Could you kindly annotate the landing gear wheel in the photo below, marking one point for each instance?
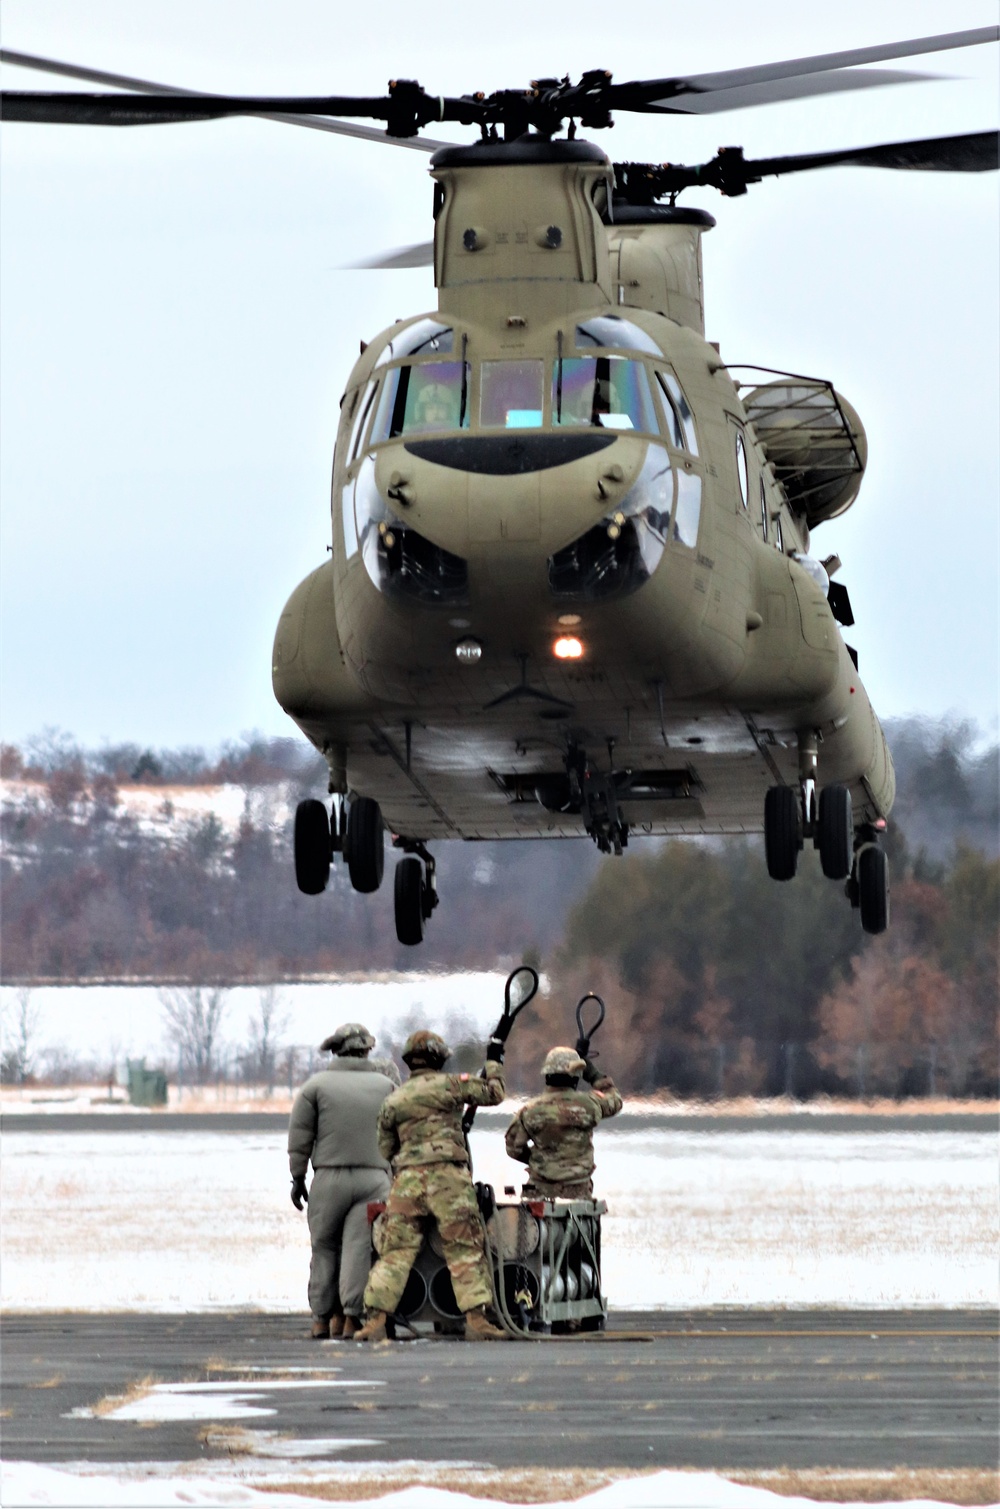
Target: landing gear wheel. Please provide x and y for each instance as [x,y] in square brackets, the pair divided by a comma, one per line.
[873,888]
[781,832]
[409,899]
[835,832]
[312,847]
[364,844]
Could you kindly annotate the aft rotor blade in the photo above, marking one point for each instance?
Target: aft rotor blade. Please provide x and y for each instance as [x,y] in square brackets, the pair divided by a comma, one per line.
[421,254]
[126,81]
[795,78]
[975,152]
[731,173]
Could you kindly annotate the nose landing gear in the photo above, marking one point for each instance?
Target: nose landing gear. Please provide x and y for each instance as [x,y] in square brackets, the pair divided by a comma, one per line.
[355,830]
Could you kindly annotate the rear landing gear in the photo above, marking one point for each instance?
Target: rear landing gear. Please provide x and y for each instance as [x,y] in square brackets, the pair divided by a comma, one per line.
[415,891]
[792,815]
[868,886]
[782,841]
[834,836]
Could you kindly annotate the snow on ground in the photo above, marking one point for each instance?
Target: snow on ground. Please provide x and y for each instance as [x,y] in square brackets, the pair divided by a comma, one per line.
[157,1220]
[166,810]
[160,1485]
[115,1022]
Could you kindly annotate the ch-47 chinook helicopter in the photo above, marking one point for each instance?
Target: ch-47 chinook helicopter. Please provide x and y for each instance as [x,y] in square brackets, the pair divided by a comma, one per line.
[572,589]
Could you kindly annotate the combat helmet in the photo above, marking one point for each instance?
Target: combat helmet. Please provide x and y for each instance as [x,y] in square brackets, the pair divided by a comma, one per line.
[563,1061]
[352,1037]
[425,1045]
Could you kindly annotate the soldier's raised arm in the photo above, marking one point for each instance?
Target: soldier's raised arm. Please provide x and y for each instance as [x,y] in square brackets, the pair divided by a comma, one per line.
[490,1090]
[516,1139]
[603,1089]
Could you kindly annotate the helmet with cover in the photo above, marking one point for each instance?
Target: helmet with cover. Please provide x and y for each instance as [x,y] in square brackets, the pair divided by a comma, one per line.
[352,1039]
[563,1061]
[425,1049]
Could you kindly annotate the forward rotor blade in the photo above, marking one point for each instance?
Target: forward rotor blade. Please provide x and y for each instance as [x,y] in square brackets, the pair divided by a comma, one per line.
[823,74]
[421,254]
[124,81]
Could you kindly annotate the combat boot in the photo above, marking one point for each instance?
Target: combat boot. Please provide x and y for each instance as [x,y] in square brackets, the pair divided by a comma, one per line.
[351,1327]
[374,1328]
[336,1326]
[320,1328]
[478,1328]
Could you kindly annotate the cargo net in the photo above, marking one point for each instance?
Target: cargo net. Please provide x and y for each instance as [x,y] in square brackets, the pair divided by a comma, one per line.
[812,438]
[546,1262]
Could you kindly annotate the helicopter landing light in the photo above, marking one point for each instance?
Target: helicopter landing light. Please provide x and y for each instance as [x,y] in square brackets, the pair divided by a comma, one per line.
[567,647]
[568,620]
[468,651]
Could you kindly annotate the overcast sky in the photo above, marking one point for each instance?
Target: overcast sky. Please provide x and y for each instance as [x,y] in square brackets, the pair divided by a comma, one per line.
[177,328]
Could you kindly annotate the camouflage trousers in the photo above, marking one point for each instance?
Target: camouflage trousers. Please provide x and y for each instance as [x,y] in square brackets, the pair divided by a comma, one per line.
[548,1189]
[444,1192]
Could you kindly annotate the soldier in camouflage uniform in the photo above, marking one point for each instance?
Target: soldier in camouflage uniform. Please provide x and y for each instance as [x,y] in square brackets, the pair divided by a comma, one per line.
[554,1133]
[420,1133]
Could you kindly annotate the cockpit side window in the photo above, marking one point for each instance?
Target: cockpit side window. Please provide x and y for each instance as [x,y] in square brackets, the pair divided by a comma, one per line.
[510,395]
[607,391]
[680,420]
[424,338]
[611,330]
[360,420]
[422,400]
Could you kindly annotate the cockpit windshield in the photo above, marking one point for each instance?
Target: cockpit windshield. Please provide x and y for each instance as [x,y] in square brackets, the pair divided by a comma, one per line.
[422,400]
[606,391]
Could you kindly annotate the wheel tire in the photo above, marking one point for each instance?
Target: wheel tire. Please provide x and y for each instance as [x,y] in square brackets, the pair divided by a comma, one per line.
[312,847]
[873,888]
[835,832]
[364,844]
[781,832]
[409,900]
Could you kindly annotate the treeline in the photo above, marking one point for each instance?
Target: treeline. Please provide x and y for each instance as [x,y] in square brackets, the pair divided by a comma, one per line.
[92,889]
[719,980]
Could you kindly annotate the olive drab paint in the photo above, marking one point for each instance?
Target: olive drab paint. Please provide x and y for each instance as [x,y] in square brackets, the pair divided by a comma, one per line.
[709,654]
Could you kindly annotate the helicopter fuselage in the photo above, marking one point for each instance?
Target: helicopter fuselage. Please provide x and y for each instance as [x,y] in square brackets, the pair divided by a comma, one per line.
[558,536]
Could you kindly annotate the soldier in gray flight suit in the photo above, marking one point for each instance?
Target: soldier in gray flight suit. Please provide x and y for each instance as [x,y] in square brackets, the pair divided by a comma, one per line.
[333,1123]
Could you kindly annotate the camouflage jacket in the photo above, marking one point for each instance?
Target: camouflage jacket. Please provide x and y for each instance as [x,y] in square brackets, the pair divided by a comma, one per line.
[422,1122]
[554,1133]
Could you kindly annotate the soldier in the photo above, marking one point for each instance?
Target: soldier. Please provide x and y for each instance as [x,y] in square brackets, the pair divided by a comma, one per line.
[554,1133]
[333,1123]
[420,1131]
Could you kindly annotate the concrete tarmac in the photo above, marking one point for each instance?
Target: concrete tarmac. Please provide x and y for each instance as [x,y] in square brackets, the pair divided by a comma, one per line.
[710,1389]
[493,1120]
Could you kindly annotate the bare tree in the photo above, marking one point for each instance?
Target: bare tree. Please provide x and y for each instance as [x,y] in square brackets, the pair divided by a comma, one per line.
[20,1022]
[193,1015]
[260,1057]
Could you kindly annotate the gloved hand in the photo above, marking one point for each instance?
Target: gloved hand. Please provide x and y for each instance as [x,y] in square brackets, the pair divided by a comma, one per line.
[501,1031]
[494,1050]
[299,1191]
[591,1072]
